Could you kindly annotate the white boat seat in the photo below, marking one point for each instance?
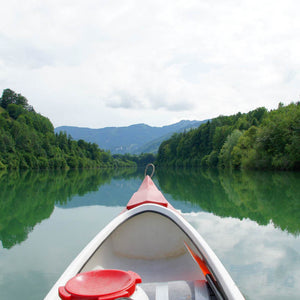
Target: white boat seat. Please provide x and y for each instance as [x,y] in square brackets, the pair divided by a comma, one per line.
[176,290]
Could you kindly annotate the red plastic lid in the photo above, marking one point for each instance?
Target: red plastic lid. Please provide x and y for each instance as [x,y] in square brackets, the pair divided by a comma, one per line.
[100,285]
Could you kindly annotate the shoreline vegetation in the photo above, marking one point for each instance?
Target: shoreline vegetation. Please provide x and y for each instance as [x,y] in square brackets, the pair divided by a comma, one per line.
[258,140]
[28,141]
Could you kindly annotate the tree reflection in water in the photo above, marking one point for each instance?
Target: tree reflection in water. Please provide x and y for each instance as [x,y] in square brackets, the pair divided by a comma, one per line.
[263,197]
[27,198]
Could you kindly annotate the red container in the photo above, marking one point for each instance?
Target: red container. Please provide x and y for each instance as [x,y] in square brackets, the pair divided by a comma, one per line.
[100,285]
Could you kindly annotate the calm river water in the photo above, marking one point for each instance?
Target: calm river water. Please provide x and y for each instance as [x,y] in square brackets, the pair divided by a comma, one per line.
[251,221]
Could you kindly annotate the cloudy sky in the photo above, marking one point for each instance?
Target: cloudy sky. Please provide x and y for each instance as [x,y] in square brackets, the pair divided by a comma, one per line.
[98,63]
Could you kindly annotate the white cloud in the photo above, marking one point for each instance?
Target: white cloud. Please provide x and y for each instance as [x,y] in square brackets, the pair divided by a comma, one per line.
[127,61]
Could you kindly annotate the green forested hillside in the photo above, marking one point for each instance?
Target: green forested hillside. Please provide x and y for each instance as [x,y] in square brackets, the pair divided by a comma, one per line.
[260,139]
[28,141]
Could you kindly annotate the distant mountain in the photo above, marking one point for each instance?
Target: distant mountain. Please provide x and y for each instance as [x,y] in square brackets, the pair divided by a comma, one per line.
[134,139]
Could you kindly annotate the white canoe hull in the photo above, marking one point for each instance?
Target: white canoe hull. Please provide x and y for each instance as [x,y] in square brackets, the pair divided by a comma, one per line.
[150,240]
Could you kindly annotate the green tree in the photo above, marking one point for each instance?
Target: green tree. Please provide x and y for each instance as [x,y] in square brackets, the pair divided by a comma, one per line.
[243,154]
[225,159]
[10,97]
[279,137]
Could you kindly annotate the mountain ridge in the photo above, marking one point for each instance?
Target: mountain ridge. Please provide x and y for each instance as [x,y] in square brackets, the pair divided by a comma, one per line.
[133,139]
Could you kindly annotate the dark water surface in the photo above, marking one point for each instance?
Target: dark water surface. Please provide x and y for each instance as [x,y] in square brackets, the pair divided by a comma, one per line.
[250,220]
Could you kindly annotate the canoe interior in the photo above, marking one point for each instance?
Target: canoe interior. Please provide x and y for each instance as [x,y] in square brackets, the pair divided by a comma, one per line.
[152,245]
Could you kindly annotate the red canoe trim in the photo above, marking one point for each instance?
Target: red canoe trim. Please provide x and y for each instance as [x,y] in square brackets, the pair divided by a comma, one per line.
[147,193]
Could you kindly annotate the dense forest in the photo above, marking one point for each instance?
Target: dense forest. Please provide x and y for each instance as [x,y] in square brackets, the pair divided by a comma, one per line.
[141,160]
[259,140]
[28,141]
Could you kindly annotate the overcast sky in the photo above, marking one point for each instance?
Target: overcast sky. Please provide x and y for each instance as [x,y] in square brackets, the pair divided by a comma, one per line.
[99,63]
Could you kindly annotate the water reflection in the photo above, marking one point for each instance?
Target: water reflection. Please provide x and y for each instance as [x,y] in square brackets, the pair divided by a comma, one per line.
[227,209]
[263,197]
[263,260]
[27,198]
